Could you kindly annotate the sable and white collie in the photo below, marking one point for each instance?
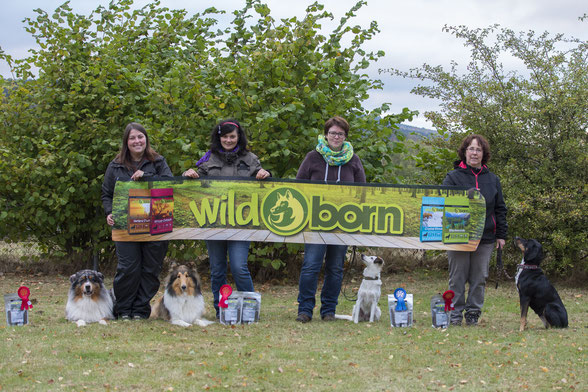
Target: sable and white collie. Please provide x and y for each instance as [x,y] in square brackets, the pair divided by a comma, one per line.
[182,303]
[88,301]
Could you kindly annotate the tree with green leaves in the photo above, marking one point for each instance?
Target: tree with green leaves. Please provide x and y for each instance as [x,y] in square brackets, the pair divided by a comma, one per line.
[63,112]
[536,122]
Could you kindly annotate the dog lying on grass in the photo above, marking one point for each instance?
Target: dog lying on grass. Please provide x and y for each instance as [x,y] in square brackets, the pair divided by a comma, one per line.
[88,300]
[182,302]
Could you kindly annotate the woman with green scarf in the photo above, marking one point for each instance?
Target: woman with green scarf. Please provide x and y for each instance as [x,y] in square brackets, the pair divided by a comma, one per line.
[333,161]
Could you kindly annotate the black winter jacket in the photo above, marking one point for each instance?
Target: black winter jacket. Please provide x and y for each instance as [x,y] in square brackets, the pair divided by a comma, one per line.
[489,185]
[117,171]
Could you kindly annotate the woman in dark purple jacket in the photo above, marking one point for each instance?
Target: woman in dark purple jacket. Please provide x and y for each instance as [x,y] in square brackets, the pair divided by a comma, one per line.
[332,160]
[472,267]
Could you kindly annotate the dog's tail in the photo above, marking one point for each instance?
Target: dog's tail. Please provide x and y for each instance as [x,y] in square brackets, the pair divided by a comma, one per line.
[343,317]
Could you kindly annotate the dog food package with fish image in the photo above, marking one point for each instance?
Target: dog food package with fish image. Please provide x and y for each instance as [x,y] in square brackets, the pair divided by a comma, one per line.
[250,307]
[456,219]
[139,218]
[232,313]
[162,210]
[400,318]
[432,219]
[14,314]
[440,318]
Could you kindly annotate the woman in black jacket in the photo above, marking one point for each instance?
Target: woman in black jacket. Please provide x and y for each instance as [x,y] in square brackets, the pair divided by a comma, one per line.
[139,263]
[472,267]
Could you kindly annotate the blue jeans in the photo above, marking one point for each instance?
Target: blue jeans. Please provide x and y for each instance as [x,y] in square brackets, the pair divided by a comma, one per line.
[314,254]
[238,252]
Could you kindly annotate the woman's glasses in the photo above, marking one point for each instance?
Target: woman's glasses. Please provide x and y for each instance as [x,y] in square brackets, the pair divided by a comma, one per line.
[473,149]
[336,134]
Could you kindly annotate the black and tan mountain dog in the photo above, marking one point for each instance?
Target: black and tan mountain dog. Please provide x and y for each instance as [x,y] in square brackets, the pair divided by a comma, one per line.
[535,290]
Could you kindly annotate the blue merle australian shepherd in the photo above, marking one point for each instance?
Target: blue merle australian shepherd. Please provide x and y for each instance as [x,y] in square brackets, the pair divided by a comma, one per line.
[88,300]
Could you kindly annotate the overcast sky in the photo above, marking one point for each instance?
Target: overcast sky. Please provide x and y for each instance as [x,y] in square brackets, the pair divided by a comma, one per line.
[411,30]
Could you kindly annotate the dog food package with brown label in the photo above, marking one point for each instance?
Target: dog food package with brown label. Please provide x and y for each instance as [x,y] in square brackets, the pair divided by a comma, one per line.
[162,210]
[15,316]
[232,313]
[400,318]
[250,307]
[456,219]
[139,217]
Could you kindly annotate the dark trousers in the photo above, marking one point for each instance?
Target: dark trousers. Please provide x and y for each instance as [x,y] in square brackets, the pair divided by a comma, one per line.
[137,276]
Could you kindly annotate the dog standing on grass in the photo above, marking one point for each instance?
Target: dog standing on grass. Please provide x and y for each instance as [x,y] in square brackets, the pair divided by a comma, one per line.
[535,290]
[366,307]
[182,302]
[88,300]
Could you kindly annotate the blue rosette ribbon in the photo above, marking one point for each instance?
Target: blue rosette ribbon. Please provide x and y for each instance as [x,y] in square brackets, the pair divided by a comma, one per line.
[400,295]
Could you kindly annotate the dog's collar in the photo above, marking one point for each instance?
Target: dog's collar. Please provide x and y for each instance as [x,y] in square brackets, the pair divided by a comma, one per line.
[371,277]
[528,266]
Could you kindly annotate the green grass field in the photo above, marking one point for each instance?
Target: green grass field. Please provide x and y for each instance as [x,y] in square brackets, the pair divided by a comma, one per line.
[280,354]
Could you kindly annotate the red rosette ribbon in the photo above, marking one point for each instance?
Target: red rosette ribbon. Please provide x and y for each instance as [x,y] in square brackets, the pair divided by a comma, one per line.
[225,291]
[448,296]
[23,294]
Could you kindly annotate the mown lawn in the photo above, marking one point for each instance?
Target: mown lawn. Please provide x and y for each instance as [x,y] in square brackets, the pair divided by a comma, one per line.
[281,354]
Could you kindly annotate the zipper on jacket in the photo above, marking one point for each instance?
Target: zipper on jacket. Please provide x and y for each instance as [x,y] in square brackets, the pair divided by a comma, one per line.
[476,175]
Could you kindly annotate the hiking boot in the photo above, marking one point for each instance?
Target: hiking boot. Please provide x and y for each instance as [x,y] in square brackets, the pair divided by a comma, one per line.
[328,317]
[472,318]
[125,317]
[456,322]
[303,318]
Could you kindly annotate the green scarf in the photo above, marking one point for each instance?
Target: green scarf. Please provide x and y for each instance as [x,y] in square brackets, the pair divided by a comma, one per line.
[334,158]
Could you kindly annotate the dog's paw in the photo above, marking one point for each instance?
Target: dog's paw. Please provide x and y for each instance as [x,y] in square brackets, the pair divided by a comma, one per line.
[203,323]
[103,322]
[181,323]
[81,323]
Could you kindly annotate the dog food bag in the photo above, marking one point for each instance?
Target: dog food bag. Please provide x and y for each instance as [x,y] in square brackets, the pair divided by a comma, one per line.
[401,318]
[162,210]
[139,211]
[432,219]
[232,313]
[15,316]
[456,220]
[438,314]
[250,307]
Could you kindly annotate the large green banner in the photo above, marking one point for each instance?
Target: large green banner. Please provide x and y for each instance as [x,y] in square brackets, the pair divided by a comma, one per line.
[277,210]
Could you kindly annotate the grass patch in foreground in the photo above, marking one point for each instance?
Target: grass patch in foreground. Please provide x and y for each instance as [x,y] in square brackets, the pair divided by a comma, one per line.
[281,354]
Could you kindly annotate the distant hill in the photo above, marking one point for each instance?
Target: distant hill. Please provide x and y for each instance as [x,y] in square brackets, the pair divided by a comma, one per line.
[415,133]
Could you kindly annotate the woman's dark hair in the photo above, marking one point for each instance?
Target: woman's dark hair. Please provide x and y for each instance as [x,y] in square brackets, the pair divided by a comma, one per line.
[340,122]
[221,129]
[124,155]
[481,141]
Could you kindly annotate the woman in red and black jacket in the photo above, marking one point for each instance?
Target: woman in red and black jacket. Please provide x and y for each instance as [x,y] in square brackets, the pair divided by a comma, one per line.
[472,267]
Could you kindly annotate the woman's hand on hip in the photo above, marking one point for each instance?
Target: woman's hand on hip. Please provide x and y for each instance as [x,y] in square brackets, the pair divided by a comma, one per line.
[190,173]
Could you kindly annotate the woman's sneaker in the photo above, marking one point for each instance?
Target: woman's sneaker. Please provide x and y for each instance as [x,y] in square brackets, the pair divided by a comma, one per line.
[472,318]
